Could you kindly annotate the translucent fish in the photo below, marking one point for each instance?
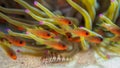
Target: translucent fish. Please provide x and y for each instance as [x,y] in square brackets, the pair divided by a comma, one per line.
[15,41]
[41,33]
[95,39]
[56,45]
[9,51]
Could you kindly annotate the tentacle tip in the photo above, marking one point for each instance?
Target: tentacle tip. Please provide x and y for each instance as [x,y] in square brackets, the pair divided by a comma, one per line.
[108,56]
[18,51]
[100,15]
[27,32]
[35,2]
[27,11]
[56,37]
[112,0]
[40,23]
[7,29]
[81,27]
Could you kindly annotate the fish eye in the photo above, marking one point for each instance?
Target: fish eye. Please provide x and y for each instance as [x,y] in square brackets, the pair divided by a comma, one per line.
[63,45]
[48,34]
[21,42]
[11,54]
[69,22]
[87,33]
[69,36]
[101,39]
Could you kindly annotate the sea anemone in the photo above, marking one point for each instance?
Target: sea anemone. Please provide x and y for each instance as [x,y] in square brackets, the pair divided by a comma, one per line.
[58,33]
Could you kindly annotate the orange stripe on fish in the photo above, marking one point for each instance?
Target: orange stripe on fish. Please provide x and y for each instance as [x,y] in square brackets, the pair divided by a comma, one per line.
[2,21]
[112,28]
[72,39]
[41,33]
[56,45]
[80,32]
[94,39]
[62,20]
[15,41]
[9,51]
[54,32]
[18,27]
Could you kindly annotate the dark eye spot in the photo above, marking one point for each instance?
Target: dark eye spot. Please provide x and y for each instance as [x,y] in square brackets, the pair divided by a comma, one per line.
[2,39]
[21,42]
[63,45]
[69,36]
[11,54]
[3,5]
[101,39]
[87,33]
[69,22]
[48,34]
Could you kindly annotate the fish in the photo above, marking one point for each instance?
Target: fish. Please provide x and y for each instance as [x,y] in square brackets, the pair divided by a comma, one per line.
[18,28]
[94,39]
[80,32]
[15,41]
[72,39]
[56,45]
[54,32]
[112,28]
[41,33]
[9,51]
[62,20]
[2,21]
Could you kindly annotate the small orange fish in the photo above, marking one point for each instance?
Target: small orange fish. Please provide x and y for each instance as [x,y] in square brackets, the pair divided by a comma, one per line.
[100,31]
[75,39]
[9,51]
[72,39]
[95,39]
[15,41]
[2,21]
[19,28]
[62,21]
[112,28]
[56,45]
[54,32]
[41,33]
[80,32]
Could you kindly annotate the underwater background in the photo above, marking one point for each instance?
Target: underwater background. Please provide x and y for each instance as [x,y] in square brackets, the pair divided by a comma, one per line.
[59,33]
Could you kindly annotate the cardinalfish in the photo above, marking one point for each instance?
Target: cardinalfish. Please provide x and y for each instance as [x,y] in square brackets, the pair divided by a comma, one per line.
[62,20]
[59,19]
[18,28]
[80,32]
[9,51]
[53,44]
[2,21]
[72,39]
[41,33]
[109,25]
[112,28]
[94,39]
[13,40]
[56,45]
[54,32]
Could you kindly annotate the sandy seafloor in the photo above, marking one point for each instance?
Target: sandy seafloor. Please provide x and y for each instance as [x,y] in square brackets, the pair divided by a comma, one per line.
[82,60]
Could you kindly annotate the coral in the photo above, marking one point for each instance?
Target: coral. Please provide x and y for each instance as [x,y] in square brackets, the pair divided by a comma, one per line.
[58,35]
